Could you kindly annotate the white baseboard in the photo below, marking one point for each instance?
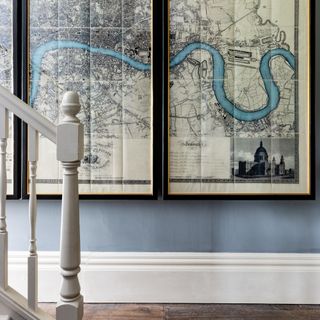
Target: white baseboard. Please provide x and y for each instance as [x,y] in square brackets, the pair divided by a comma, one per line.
[181,277]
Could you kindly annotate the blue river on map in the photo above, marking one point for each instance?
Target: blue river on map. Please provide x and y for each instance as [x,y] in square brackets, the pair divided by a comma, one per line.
[260,112]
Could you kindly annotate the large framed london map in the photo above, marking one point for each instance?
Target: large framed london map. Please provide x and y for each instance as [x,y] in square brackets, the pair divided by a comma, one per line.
[240,115]
[103,50]
[8,79]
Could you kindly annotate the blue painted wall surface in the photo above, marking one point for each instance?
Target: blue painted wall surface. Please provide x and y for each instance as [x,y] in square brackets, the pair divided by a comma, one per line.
[178,226]
[204,226]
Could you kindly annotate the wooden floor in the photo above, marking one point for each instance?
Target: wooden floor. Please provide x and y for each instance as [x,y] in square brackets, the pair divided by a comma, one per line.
[194,312]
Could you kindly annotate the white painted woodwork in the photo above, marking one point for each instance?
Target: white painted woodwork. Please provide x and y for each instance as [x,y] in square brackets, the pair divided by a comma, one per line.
[159,277]
[68,136]
[33,208]
[33,282]
[4,122]
[70,152]
[33,144]
[27,114]
[33,156]
[16,306]
[4,132]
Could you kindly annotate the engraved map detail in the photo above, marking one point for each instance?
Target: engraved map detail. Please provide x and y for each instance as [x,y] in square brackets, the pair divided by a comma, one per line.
[102,50]
[235,92]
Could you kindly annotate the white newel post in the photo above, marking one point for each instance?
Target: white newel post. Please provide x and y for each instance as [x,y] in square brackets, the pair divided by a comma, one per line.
[33,157]
[70,152]
[4,132]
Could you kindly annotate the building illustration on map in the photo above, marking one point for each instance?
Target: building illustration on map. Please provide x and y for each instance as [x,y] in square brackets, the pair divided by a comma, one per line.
[262,166]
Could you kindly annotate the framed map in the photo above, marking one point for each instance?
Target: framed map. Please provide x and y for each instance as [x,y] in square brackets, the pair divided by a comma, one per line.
[8,70]
[103,50]
[240,120]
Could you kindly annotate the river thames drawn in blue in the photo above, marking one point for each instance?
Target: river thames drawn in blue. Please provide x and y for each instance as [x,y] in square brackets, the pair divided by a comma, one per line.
[271,88]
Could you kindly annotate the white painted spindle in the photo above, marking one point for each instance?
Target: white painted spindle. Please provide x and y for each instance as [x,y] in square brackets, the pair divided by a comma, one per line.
[4,131]
[70,152]
[33,156]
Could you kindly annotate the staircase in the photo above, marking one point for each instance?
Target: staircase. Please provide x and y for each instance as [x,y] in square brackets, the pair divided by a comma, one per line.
[68,137]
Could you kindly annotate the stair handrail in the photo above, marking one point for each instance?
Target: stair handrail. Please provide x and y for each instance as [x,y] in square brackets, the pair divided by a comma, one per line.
[68,136]
[27,114]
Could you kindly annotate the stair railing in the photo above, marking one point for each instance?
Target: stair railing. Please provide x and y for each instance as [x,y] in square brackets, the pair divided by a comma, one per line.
[68,137]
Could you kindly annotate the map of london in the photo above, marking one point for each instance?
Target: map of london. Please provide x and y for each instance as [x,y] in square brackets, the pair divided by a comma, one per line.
[234,111]
[102,50]
[234,107]
[238,109]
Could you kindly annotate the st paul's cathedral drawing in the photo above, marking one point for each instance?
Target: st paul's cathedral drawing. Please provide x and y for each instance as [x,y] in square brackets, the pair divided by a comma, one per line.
[261,167]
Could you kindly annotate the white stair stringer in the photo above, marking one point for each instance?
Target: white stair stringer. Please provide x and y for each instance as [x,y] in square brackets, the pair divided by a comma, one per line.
[15,307]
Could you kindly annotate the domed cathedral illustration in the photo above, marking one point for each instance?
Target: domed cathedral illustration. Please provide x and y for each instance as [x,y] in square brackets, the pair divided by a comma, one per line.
[260,166]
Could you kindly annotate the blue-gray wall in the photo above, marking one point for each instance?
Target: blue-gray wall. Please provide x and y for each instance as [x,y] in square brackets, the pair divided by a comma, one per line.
[195,226]
[179,226]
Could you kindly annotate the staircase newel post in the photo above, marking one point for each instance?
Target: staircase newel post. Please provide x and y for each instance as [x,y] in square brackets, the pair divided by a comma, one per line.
[4,133]
[70,136]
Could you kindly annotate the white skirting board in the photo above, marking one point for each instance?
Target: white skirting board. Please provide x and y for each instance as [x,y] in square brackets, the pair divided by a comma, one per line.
[180,277]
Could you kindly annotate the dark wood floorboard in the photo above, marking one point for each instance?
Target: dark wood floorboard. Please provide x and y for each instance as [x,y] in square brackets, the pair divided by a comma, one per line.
[195,312]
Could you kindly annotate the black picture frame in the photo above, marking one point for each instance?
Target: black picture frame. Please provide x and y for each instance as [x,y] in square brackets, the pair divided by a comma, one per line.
[17,91]
[157,78]
[165,180]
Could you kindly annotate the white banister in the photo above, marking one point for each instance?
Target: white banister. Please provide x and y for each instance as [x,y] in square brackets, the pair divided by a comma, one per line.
[70,137]
[4,132]
[33,156]
[28,115]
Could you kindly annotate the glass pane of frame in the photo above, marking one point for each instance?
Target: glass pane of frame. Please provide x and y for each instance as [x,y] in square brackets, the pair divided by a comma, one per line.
[239,117]
[102,50]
